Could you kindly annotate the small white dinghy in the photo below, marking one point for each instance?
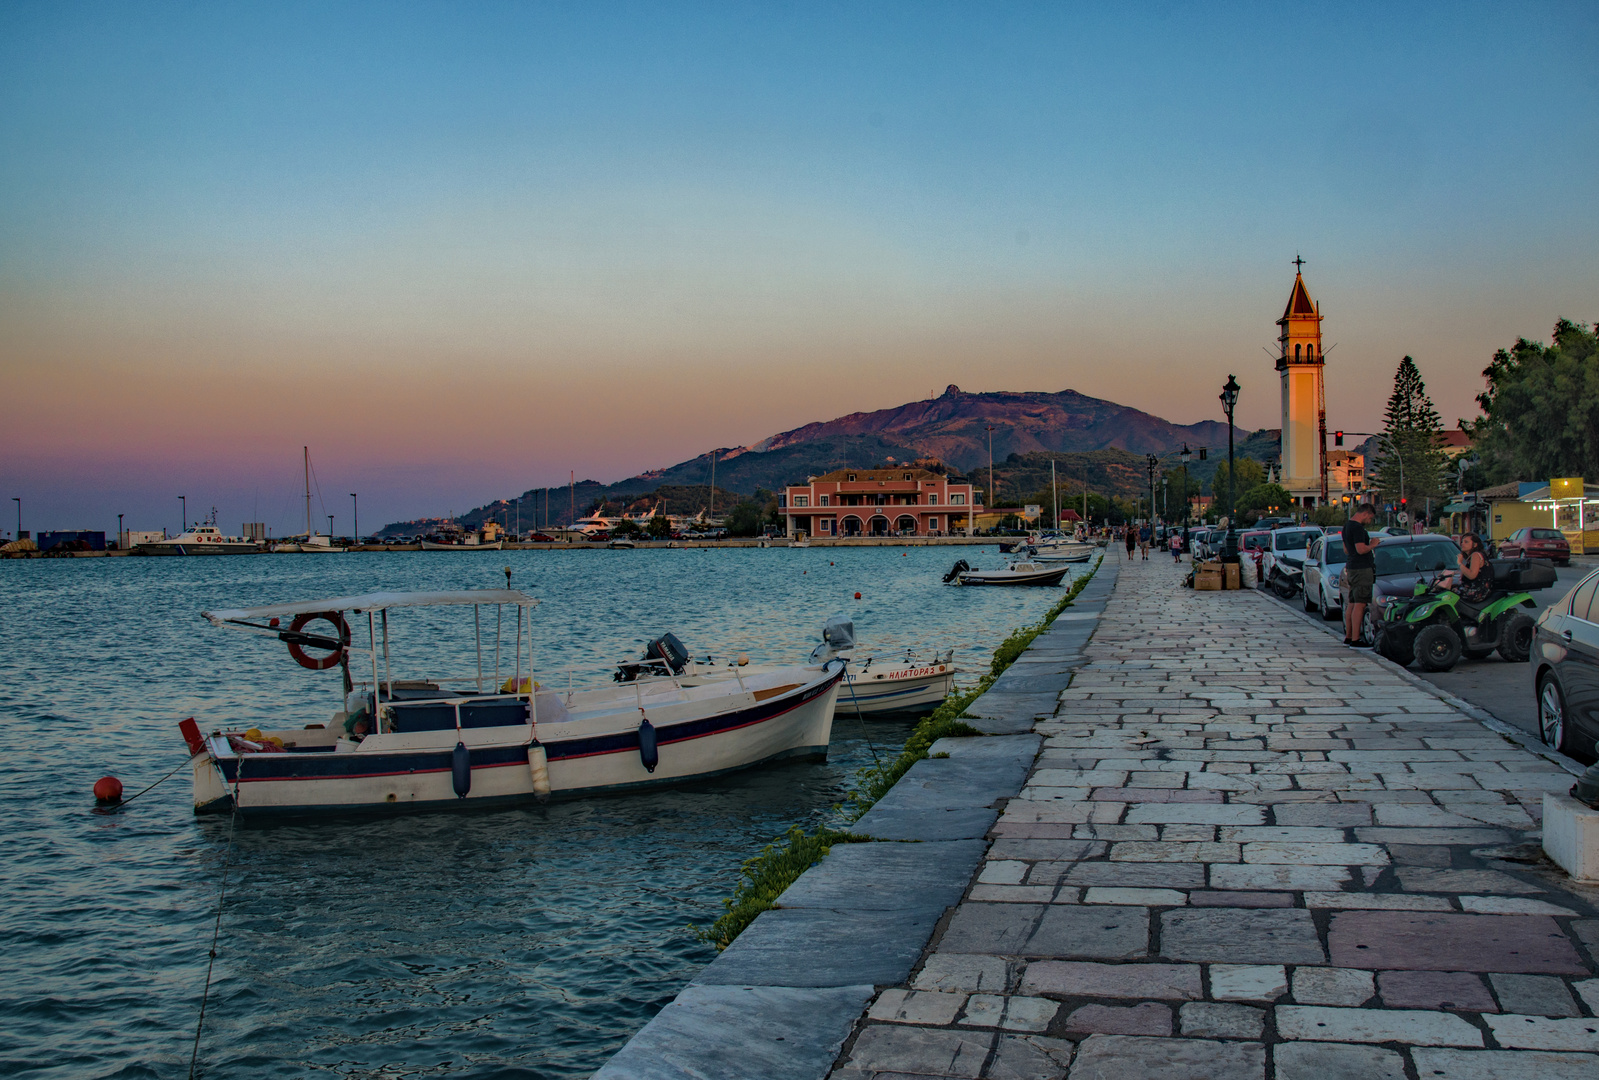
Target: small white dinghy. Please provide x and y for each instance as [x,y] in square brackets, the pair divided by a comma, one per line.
[1017,573]
[892,686]
[446,742]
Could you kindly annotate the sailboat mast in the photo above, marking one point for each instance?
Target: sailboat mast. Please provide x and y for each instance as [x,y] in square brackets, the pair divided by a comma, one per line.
[713,483]
[306,450]
[1054,492]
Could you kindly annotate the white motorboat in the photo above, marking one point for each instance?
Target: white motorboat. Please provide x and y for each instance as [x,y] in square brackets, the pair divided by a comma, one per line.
[201,540]
[430,545]
[1062,552]
[878,686]
[1017,573]
[445,742]
[620,542]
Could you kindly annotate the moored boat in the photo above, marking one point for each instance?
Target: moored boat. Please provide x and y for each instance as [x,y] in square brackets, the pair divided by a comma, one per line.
[201,540]
[446,742]
[1017,573]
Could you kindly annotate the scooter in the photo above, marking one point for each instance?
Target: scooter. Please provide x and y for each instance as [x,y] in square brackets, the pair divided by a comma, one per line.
[1286,583]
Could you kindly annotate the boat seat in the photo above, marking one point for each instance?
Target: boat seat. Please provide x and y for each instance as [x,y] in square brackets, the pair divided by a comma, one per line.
[410,716]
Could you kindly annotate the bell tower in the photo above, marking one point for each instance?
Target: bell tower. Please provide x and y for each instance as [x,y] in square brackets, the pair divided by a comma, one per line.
[1304,402]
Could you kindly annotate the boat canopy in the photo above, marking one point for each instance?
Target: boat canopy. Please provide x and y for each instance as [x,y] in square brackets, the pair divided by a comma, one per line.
[377,601]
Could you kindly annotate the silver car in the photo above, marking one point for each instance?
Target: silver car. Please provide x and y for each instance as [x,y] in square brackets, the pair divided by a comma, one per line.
[1324,568]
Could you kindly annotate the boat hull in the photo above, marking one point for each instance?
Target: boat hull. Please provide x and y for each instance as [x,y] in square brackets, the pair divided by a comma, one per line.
[895,691]
[798,725]
[169,547]
[1003,577]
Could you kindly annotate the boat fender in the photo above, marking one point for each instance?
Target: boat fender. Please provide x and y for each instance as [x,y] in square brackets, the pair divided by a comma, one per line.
[461,770]
[648,752]
[538,763]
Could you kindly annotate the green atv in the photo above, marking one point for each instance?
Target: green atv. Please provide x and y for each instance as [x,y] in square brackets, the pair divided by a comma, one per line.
[1435,627]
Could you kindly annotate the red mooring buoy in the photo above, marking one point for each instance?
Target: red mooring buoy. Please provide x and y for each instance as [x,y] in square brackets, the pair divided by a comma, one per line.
[857,596]
[108,790]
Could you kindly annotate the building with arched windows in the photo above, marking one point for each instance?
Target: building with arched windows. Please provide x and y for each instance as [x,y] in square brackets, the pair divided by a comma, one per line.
[909,501]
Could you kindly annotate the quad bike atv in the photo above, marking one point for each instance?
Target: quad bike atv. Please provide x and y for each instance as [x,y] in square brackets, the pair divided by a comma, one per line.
[1435,627]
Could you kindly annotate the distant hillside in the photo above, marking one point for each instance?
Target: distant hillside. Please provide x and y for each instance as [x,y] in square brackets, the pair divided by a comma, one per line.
[1106,442]
[954,427]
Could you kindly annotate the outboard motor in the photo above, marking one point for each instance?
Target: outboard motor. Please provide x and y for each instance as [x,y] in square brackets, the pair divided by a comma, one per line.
[837,636]
[664,655]
[956,571]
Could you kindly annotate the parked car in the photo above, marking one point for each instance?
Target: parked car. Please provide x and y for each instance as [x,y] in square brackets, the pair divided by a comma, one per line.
[1565,671]
[1324,571]
[1283,562]
[1400,562]
[1212,542]
[1537,544]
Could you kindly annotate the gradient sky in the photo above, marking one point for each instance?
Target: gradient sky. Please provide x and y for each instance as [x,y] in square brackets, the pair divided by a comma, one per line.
[462,249]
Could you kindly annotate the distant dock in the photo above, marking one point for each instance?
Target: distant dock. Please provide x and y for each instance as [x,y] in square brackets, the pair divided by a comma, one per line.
[601,545]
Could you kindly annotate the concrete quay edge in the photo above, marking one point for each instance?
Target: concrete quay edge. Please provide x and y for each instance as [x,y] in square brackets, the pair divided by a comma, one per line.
[780,1002]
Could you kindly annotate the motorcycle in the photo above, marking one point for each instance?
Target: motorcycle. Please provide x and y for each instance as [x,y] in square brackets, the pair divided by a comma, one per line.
[1435,628]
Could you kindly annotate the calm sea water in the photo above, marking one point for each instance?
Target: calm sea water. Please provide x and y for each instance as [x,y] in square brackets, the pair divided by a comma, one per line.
[528,942]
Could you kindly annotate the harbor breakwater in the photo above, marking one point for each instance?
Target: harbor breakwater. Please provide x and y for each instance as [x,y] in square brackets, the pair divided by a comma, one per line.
[782,998]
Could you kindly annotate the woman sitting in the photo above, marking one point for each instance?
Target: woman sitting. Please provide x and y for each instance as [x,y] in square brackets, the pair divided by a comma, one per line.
[1475,578]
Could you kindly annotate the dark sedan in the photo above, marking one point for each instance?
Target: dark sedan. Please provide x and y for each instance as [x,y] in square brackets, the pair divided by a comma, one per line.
[1401,562]
[1565,671]
[1537,544]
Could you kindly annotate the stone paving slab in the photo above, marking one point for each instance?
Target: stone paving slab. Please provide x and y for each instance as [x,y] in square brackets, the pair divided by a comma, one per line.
[819,947]
[738,1032]
[924,878]
[1244,850]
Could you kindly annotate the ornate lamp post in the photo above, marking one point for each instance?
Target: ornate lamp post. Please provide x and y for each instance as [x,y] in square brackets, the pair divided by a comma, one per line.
[1229,399]
[1186,454]
[356,512]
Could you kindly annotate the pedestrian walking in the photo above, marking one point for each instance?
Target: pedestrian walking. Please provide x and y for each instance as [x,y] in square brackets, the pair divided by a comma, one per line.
[1130,534]
[1360,571]
[1144,533]
[1176,547]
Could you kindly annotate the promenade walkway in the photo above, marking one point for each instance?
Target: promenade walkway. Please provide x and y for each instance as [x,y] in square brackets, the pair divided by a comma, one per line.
[1245,851]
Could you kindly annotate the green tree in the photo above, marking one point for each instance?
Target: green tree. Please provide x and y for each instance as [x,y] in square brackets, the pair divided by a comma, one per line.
[1410,462]
[626,527]
[1262,499]
[1249,472]
[745,519]
[1541,408]
[660,527]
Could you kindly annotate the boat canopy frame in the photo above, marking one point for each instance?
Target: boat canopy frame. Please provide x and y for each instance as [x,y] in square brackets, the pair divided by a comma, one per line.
[375,606]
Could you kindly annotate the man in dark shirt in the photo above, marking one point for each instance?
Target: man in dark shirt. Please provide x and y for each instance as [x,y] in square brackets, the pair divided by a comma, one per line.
[1360,570]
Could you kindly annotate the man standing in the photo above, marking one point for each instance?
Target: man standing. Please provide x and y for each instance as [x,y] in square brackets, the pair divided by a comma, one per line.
[1360,569]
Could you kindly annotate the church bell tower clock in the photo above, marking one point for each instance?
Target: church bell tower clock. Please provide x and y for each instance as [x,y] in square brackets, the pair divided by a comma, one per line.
[1304,422]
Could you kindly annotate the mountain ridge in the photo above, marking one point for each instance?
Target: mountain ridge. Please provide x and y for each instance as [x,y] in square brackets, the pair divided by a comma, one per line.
[953,427]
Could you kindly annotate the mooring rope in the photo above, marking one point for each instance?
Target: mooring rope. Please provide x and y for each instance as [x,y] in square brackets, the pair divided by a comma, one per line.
[861,719]
[118,808]
[216,930]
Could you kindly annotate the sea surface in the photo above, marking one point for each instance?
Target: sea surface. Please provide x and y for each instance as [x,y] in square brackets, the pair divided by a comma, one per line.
[513,943]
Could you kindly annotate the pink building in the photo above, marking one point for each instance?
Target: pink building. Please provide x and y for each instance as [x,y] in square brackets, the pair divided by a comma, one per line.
[906,501]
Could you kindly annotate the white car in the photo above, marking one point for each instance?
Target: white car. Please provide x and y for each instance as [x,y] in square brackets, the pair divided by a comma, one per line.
[1285,558]
[1324,569]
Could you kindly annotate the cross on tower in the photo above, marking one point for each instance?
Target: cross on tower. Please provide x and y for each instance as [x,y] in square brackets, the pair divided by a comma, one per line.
[1298,264]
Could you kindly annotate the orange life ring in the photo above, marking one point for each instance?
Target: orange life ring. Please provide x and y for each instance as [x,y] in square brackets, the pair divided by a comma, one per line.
[319,663]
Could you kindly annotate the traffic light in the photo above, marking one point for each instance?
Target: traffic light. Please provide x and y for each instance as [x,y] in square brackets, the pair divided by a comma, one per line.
[1338,438]
[1402,503]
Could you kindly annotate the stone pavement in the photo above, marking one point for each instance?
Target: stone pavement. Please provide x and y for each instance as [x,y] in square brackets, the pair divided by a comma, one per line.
[1244,851]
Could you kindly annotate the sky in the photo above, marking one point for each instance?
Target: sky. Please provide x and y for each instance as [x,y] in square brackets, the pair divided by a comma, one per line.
[464,249]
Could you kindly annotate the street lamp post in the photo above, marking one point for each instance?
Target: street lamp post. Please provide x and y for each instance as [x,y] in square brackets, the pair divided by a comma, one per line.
[356,510]
[120,544]
[330,530]
[1229,399]
[991,494]
[183,526]
[18,500]
[1186,454]
[1154,463]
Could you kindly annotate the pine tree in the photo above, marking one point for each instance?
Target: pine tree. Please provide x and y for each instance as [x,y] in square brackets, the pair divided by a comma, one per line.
[1410,463]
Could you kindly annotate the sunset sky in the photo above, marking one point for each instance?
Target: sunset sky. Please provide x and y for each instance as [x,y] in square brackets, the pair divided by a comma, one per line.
[460,249]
